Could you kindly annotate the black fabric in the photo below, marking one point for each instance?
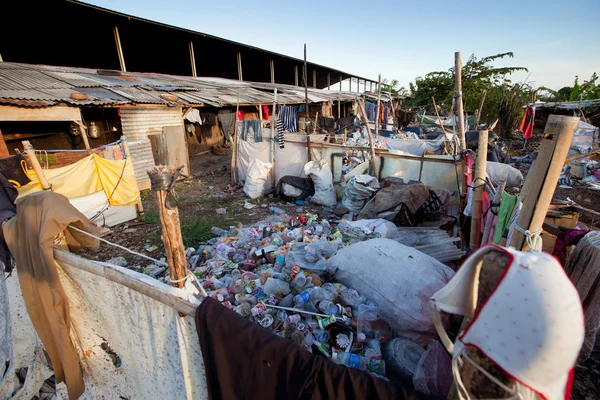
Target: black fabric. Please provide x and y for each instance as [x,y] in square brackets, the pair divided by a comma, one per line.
[243,360]
[306,185]
[326,124]
[8,195]
[208,118]
[11,168]
[345,122]
[404,118]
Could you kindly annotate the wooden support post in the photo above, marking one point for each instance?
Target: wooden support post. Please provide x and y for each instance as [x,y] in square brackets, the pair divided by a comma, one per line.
[309,157]
[329,81]
[350,83]
[30,153]
[480,108]
[395,128]
[170,227]
[239,65]
[272,67]
[84,136]
[260,113]
[485,239]
[234,150]
[3,149]
[365,82]
[339,109]
[542,178]
[305,76]
[437,114]
[193,59]
[315,78]
[340,83]
[274,138]
[373,163]
[478,188]
[295,75]
[138,206]
[316,120]
[119,49]
[377,109]
[459,102]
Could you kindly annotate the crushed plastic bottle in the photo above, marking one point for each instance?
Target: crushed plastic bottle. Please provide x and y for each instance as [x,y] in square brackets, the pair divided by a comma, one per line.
[351,360]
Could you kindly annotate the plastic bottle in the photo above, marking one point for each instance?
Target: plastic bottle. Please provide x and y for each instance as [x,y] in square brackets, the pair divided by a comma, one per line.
[218,231]
[351,360]
[327,307]
[352,298]
[276,210]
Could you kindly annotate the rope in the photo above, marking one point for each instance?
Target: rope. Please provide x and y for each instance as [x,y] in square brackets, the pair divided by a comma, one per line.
[158,262]
[82,151]
[533,239]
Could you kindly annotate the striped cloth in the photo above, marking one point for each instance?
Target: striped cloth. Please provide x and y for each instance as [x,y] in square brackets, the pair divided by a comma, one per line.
[287,120]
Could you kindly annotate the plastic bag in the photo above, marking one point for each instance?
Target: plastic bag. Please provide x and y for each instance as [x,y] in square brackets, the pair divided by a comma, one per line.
[358,191]
[402,357]
[385,228]
[497,171]
[400,279]
[258,172]
[434,371]
[323,179]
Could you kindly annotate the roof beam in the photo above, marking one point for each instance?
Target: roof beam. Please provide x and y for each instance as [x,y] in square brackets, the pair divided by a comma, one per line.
[193,59]
[119,49]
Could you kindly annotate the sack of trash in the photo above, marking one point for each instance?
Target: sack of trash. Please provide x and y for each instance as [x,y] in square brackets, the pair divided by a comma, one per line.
[402,357]
[434,372]
[358,191]
[388,202]
[497,171]
[400,279]
[292,188]
[258,172]
[323,179]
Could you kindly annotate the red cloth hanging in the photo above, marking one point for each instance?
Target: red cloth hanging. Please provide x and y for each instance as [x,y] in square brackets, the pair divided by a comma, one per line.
[240,115]
[527,122]
[265,112]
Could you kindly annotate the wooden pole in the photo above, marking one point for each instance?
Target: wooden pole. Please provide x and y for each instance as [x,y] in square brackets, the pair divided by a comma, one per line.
[480,108]
[234,172]
[3,149]
[295,75]
[373,163]
[30,153]
[478,188]
[84,136]
[437,114]
[459,102]
[119,49]
[239,65]
[542,178]
[395,128]
[305,75]
[314,78]
[488,223]
[339,109]
[274,138]
[171,230]
[193,59]
[272,67]
[316,120]
[329,81]
[378,107]
[340,83]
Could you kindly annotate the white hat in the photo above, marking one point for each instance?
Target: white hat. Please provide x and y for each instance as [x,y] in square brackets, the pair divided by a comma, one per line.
[531,325]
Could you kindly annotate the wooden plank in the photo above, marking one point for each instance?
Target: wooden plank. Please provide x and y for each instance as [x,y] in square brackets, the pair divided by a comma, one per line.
[56,113]
[170,148]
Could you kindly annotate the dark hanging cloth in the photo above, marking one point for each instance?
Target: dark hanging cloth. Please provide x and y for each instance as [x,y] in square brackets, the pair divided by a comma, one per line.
[227,120]
[345,123]
[12,170]
[326,124]
[208,118]
[246,361]
[8,195]
[404,118]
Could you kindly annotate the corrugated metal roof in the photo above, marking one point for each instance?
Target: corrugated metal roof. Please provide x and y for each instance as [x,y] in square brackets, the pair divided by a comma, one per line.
[25,84]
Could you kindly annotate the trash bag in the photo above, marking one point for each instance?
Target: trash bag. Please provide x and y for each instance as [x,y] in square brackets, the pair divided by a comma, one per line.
[402,357]
[292,188]
[358,191]
[497,171]
[400,279]
[323,179]
[434,372]
[386,229]
[388,202]
[258,172]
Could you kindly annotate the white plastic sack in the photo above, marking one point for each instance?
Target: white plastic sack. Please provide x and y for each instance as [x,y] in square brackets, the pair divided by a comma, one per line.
[400,279]
[323,179]
[384,227]
[358,191]
[291,191]
[497,171]
[258,172]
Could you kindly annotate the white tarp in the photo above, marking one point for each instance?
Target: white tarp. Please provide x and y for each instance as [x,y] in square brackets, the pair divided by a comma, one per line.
[583,137]
[416,147]
[159,350]
[95,205]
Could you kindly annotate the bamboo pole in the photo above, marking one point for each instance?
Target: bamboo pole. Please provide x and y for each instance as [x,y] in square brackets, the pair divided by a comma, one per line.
[30,153]
[170,227]
[437,114]
[488,223]
[316,120]
[478,188]
[480,108]
[378,107]
[339,109]
[542,178]
[395,128]
[373,163]
[305,75]
[458,96]
[273,137]
[83,130]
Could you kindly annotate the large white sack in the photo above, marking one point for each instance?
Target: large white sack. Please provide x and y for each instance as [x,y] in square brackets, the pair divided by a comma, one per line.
[323,179]
[258,172]
[400,279]
[497,171]
[358,191]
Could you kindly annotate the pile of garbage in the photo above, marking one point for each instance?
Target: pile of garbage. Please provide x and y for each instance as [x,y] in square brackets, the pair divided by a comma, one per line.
[341,291]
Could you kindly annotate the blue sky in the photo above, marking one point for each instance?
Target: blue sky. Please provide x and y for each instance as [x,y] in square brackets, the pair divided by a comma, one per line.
[400,39]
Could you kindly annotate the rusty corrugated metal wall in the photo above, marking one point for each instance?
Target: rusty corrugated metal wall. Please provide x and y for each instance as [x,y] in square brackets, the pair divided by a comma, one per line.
[137,123]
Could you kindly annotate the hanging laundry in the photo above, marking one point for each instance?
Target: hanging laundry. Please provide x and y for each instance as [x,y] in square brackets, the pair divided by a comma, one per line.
[507,205]
[385,116]
[289,116]
[527,122]
[240,115]
[280,132]
[370,110]
[194,116]
[251,125]
[227,120]
[266,112]
[326,124]
[208,118]
[345,123]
